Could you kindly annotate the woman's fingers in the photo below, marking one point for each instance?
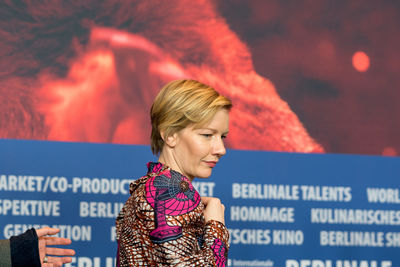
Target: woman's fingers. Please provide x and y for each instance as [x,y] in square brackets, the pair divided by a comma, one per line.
[207,200]
[214,209]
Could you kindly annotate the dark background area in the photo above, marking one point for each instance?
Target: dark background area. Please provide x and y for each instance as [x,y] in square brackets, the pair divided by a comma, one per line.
[305,48]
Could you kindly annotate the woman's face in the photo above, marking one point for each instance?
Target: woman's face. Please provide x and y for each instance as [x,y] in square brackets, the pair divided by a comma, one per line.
[197,150]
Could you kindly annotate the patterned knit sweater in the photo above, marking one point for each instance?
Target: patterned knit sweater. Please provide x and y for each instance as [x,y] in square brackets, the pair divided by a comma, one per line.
[162,224]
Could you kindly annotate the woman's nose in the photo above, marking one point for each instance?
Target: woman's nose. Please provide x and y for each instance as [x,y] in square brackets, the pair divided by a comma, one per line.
[219,147]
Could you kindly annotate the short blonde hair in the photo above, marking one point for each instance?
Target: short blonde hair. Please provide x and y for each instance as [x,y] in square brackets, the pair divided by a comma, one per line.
[182,103]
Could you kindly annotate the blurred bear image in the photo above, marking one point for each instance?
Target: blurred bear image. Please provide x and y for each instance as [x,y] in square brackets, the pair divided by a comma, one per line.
[88,72]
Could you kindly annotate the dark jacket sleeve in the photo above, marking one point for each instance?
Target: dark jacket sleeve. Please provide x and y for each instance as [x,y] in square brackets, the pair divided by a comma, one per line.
[5,256]
[25,250]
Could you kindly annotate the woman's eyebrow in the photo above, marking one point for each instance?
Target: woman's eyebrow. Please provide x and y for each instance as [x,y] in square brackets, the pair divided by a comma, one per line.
[212,129]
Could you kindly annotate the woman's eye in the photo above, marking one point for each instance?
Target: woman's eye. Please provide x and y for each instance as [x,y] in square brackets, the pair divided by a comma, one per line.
[206,135]
[223,136]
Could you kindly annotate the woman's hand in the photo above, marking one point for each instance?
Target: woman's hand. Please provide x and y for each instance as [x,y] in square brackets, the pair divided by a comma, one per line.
[214,209]
[45,250]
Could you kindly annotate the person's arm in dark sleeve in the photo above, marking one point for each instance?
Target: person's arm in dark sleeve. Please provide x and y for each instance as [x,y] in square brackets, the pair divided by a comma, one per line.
[25,250]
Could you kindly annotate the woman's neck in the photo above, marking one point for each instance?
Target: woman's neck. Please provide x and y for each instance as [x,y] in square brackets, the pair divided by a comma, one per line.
[169,160]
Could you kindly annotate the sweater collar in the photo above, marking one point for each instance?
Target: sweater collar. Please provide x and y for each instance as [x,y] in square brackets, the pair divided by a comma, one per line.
[158,168]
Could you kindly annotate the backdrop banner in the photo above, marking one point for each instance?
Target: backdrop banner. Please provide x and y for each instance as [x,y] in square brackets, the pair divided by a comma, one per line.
[282,209]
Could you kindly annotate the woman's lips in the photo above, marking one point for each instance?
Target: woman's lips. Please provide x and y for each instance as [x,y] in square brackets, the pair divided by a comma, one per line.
[211,163]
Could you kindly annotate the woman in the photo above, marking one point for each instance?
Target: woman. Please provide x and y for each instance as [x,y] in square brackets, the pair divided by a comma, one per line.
[165,221]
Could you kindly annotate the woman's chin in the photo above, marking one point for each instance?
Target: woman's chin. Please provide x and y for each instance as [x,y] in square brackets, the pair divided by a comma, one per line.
[204,174]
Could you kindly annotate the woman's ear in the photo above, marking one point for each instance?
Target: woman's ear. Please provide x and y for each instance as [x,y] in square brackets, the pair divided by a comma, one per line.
[170,140]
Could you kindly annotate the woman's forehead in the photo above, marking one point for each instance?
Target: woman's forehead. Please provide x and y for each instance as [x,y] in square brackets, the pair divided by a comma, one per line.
[219,122]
